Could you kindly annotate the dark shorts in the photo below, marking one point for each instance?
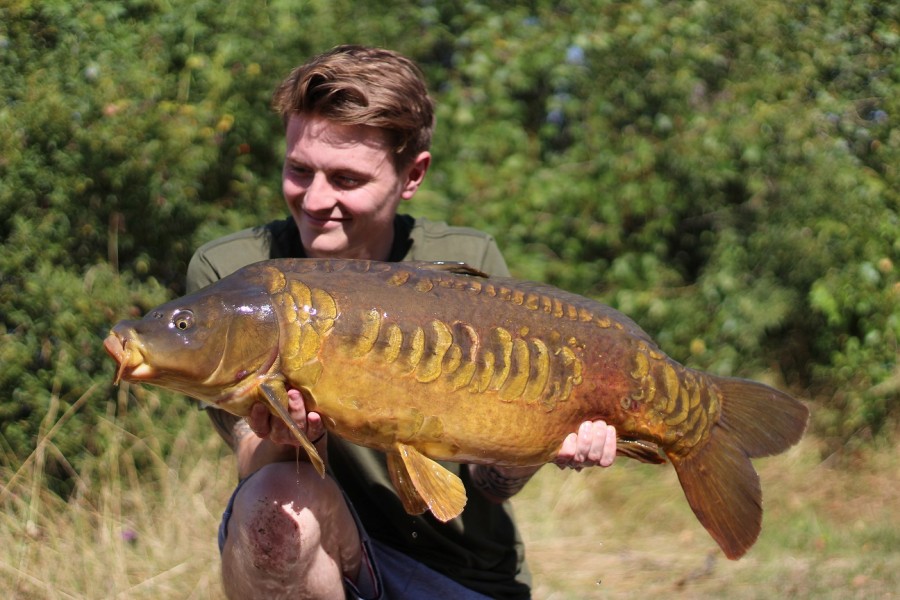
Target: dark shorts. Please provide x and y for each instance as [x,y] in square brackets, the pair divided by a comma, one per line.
[386,574]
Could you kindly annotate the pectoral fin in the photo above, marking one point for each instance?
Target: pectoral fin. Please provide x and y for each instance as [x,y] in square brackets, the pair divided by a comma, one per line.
[646,452]
[277,397]
[423,483]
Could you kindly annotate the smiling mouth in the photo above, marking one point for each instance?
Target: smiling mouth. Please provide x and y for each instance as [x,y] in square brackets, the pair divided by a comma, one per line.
[323,221]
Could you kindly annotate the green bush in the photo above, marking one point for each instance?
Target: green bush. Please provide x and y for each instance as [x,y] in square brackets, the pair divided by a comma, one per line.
[724,173]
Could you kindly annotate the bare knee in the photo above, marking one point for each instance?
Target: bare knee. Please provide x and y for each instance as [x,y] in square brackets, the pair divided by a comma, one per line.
[290,534]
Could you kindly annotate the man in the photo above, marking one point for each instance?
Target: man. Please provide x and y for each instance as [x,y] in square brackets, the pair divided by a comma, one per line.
[358,127]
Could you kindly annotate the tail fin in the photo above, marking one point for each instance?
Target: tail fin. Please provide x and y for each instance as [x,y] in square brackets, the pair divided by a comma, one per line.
[718,478]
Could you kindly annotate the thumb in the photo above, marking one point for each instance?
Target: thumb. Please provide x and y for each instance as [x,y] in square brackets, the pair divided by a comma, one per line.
[258,419]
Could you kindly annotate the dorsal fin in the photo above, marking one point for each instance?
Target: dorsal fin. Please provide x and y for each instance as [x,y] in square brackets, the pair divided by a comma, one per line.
[457,268]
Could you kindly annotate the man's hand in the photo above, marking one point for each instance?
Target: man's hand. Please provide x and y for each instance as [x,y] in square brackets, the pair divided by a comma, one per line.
[266,425]
[594,444]
[273,441]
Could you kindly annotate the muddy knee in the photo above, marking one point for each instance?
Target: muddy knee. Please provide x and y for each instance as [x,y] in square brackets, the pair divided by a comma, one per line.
[289,527]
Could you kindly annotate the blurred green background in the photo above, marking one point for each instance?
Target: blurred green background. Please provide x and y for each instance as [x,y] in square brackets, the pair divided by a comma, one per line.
[725,173]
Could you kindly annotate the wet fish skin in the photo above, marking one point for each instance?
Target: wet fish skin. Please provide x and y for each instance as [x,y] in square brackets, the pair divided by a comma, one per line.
[439,362]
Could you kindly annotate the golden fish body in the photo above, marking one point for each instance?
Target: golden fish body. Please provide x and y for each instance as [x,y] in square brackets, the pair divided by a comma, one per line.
[430,361]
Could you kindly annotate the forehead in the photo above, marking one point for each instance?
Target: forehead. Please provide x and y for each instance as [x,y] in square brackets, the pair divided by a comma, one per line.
[309,137]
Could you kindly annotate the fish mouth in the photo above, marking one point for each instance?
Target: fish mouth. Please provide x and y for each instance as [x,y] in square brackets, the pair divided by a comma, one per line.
[126,352]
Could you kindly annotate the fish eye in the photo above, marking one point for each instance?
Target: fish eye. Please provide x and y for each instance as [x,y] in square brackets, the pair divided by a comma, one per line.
[183,319]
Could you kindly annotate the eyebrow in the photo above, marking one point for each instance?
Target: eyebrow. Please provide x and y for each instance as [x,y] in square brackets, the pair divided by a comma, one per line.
[338,170]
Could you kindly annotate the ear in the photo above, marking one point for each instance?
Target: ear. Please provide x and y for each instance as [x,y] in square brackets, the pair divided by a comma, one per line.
[414,174]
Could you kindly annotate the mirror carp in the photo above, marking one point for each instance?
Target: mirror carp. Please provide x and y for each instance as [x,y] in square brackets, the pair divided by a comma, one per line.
[437,361]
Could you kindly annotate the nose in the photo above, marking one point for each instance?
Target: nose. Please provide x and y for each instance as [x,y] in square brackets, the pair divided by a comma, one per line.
[318,193]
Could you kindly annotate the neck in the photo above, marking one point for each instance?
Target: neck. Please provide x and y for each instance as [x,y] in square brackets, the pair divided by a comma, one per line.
[381,250]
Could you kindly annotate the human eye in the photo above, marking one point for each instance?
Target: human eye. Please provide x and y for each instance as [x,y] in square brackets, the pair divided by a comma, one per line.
[298,174]
[348,181]
[300,170]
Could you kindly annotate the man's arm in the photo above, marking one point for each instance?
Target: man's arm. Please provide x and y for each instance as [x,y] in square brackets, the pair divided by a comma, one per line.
[499,484]
[226,425]
[251,451]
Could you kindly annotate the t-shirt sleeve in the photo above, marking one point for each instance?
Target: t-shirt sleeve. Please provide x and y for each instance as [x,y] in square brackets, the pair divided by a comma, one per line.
[493,262]
[200,273]
[222,257]
[433,240]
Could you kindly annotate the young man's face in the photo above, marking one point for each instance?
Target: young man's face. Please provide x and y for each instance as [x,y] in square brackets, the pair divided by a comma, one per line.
[342,188]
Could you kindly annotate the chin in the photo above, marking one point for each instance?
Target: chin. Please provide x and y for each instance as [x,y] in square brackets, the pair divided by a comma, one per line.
[328,251]
[323,245]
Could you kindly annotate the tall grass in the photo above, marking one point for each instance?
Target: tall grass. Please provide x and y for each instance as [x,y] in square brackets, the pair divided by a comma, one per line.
[141,523]
[831,530]
[143,520]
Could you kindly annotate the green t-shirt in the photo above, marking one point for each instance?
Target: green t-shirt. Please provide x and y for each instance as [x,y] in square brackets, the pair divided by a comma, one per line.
[481,549]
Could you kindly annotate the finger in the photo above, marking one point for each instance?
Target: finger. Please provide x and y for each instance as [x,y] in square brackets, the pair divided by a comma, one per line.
[584,442]
[315,427]
[566,451]
[258,419]
[295,404]
[609,447]
[597,441]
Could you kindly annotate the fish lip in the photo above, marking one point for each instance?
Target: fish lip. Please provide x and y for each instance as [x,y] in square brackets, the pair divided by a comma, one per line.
[126,351]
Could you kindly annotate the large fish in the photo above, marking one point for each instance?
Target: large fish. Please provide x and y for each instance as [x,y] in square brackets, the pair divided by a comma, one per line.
[432,361]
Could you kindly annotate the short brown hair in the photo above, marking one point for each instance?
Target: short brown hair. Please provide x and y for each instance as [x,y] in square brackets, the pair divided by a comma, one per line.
[358,85]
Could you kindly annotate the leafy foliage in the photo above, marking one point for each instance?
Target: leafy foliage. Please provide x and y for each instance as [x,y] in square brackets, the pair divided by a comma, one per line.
[724,173]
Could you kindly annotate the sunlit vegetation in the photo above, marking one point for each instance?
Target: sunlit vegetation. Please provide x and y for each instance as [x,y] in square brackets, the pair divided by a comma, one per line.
[724,173]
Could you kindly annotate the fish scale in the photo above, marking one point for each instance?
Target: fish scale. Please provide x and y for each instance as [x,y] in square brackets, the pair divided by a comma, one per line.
[512,366]
[430,362]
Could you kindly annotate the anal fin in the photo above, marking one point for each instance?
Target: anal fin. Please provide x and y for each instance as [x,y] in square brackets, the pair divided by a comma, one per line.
[423,483]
